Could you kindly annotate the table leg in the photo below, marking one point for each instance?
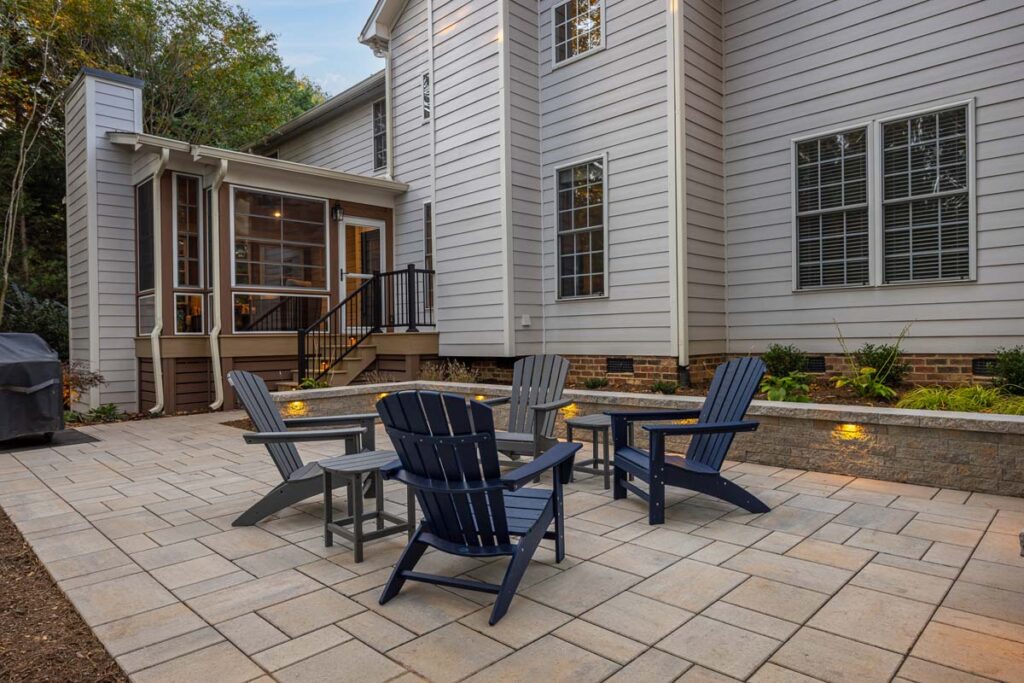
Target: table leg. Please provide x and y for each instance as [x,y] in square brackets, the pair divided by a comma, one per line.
[607,465]
[357,516]
[568,437]
[378,491]
[328,509]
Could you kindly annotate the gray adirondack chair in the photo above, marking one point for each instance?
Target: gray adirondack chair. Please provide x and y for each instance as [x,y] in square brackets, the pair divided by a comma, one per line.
[537,386]
[298,481]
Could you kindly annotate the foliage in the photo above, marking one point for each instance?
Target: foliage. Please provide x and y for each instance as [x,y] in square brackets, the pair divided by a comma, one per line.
[108,412]
[867,384]
[25,313]
[78,378]
[783,360]
[595,382]
[310,383]
[1009,369]
[970,399]
[664,387]
[448,370]
[377,377]
[886,359]
[791,387]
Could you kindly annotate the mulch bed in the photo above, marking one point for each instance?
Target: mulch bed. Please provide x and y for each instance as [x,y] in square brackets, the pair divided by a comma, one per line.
[42,637]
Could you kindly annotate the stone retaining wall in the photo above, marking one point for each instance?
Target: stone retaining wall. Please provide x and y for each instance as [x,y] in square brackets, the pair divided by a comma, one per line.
[967,451]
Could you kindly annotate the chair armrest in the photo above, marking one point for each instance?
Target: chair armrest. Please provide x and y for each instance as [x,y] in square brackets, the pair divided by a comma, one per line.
[698,428]
[305,435]
[553,405]
[329,420]
[388,471]
[439,485]
[645,415]
[553,457]
[500,400]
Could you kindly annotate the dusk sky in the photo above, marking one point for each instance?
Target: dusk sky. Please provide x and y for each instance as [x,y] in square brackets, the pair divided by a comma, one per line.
[317,38]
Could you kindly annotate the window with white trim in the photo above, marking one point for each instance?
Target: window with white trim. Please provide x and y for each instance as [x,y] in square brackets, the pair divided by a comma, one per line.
[425,85]
[188,228]
[280,240]
[578,28]
[832,210]
[580,224]
[925,197]
[188,313]
[380,136]
[428,249]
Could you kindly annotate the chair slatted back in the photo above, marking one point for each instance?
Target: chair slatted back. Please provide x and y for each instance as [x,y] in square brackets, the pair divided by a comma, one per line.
[441,437]
[732,389]
[536,380]
[252,392]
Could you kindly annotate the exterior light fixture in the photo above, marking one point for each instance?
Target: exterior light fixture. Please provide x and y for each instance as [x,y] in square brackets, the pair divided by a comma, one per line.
[849,432]
[337,213]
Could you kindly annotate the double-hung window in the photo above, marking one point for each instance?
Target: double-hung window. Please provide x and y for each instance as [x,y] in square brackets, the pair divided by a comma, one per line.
[578,28]
[580,220]
[925,197]
[832,210]
[380,136]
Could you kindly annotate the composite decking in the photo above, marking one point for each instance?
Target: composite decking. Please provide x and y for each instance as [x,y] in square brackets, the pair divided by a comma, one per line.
[844,580]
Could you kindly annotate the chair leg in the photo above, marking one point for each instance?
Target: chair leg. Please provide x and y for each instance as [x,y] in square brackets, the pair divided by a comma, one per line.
[618,489]
[517,567]
[719,487]
[281,496]
[656,498]
[410,556]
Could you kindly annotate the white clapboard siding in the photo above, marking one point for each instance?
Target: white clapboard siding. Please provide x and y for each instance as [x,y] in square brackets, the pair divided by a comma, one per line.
[343,143]
[795,68]
[614,102]
[77,207]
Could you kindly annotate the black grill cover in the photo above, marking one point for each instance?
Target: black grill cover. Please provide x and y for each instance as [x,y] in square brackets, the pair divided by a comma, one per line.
[30,391]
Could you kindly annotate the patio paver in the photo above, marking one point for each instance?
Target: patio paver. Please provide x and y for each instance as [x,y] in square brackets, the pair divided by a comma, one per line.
[845,580]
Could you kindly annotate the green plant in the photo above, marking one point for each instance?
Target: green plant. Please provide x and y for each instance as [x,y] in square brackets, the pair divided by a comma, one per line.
[784,360]
[311,383]
[664,387]
[1009,369]
[108,412]
[377,377]
[867,384]
[887,360]
[791,387]
[595,382]
[971,399]
[449,370]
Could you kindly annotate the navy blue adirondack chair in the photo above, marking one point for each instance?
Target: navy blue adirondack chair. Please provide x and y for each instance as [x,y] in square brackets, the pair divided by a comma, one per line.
[448,453]
[720,418]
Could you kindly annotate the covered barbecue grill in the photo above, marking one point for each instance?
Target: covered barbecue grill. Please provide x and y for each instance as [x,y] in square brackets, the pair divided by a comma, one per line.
[30,387]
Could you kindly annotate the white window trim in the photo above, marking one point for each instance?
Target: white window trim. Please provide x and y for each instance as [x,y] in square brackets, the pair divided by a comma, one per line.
[433,232]
[138,309]
[373,134]
[603,158]
[202,307]
[593,50]
[264,293]
[878,207]
[201,224]
[793,183]
[256,289]
[427,110]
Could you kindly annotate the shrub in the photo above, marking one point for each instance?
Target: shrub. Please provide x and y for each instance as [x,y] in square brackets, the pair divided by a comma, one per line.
[310,383]
[108,412]
[790,387]
[450,370]
[595,382]
[784,360]
[1009,369]
[664,387]
[972,399]
[886,359]
[25,313]
[78,378]
[867,384]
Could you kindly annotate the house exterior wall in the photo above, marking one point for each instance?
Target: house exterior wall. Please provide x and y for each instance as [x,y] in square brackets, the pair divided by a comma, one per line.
[101,234]
[796,68]
[343,143]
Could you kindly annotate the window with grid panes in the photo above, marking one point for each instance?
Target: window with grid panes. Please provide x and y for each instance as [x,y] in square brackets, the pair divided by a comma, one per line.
[832,210]
[380,136]
[925,197]
[580,224]
[187,231]
[577,28]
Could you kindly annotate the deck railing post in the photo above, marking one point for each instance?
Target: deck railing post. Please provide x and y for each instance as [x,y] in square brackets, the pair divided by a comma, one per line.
[410,296]
[376,302]
[302,355]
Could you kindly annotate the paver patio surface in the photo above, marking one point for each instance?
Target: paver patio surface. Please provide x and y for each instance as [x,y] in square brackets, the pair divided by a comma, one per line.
[844,580]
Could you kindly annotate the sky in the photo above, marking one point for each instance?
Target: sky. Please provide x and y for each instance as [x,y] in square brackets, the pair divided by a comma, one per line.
[318,38]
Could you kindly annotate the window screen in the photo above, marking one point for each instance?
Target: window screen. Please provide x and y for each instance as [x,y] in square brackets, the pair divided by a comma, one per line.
[144,234]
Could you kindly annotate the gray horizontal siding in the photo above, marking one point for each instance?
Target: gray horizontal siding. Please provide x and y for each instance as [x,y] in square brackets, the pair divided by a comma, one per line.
[344,143]
[799,67]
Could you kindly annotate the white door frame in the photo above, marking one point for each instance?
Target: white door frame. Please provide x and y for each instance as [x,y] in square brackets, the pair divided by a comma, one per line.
[367,223]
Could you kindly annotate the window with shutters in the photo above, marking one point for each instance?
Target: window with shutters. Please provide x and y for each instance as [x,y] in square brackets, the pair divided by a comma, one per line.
[926,203]
[832,227]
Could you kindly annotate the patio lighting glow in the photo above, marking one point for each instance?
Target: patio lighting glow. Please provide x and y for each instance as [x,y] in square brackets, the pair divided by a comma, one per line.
[849,432]
[570,411]
[296,408]
[381,395]
[479,397]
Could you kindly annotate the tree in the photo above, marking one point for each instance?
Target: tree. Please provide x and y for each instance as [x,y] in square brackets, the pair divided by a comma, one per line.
[213,76]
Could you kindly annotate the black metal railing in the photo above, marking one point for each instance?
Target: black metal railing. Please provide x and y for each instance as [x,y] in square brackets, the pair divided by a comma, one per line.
[290,313]
[387,302]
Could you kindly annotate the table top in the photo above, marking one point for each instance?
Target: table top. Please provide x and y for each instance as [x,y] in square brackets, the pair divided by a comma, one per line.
[358,462]
[591,421]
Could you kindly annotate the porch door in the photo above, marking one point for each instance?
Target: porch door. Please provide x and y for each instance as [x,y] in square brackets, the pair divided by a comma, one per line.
[362,253]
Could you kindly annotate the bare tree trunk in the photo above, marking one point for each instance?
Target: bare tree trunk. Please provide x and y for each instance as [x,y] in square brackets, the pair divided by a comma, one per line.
[23,229]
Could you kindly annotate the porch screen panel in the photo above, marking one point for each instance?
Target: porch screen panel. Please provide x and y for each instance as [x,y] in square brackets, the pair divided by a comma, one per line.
[187,231]
[832,210]
[280,241]
[144,234]
[926,197]
[580,222]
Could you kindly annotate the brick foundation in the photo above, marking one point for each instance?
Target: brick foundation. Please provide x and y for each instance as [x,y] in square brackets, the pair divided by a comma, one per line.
[646,370]
[927,368]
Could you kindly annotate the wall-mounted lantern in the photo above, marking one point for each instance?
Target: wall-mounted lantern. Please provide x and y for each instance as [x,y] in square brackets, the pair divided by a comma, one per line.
[337,213]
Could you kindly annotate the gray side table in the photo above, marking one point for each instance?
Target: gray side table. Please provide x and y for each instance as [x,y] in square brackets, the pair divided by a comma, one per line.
[598,425]
[357,469]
